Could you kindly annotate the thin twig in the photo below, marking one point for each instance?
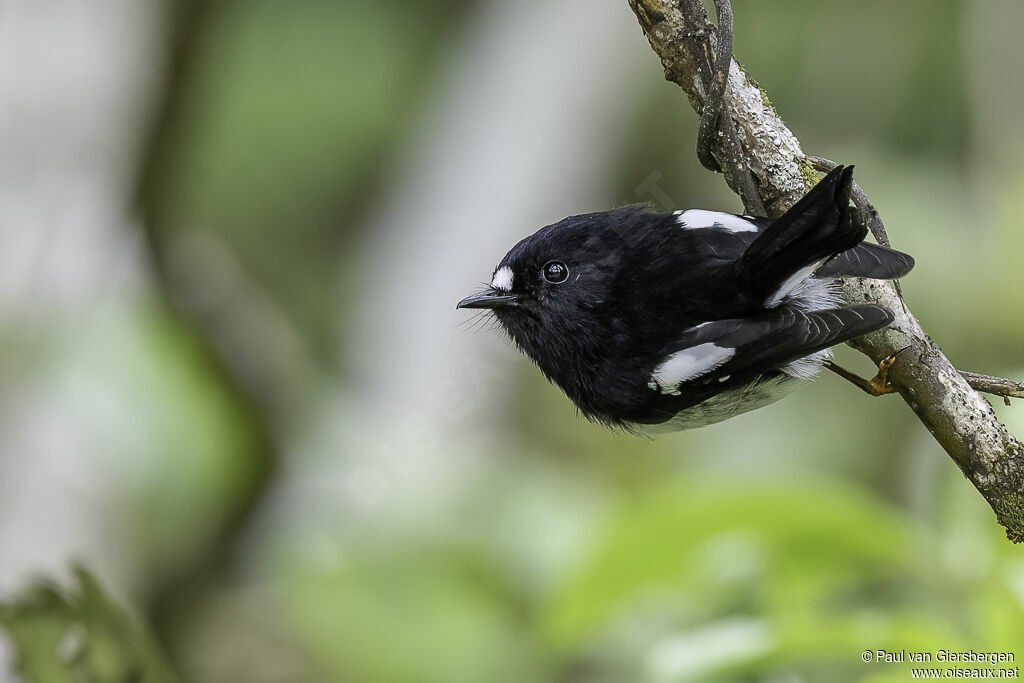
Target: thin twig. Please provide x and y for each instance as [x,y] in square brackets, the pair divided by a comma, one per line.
[997,386]
[712,121]
[715,88]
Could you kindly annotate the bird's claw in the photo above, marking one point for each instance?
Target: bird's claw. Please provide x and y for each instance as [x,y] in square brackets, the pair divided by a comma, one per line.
[878,385]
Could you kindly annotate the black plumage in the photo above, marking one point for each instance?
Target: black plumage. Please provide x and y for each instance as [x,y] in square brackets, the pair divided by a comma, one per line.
[678,320]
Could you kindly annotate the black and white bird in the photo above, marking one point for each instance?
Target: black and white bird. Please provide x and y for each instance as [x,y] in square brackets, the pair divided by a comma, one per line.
[652,321]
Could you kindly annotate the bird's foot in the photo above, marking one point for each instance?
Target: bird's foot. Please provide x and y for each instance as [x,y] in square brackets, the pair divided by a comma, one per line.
[876,386]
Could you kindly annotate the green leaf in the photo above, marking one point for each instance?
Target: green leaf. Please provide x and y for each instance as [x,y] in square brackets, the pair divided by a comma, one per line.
[79,636]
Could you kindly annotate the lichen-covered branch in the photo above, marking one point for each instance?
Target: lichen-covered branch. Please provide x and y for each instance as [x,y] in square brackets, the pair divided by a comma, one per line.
[959,418]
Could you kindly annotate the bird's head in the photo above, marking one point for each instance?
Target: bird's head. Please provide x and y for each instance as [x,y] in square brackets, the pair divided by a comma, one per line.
[551,291]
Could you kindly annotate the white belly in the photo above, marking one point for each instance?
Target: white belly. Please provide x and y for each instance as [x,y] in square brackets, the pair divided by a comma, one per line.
[733,402]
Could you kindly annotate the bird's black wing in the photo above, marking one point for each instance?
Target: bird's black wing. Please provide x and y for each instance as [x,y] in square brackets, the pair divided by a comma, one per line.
[819,226]
[714,351]
[867,260]
[864,260]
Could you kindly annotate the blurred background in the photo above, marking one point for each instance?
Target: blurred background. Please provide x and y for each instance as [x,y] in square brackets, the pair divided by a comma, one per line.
[236,394]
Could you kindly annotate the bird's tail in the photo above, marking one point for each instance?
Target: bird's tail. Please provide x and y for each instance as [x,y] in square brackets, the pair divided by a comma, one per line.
[819,226]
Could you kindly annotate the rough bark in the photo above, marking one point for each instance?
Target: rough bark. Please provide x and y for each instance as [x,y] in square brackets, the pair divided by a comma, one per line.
[958,417]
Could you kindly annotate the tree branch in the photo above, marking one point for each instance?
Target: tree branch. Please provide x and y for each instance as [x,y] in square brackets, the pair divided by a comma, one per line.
[999,386]
[959,418]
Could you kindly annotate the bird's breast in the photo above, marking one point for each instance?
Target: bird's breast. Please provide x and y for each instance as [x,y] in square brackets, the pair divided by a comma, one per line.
[728,403]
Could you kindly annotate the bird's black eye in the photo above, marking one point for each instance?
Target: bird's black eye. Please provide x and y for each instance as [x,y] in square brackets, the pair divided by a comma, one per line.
[555,272]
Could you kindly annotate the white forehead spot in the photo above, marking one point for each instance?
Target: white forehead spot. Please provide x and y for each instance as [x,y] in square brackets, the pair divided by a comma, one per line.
[502,279]
[688,364]
[699,218]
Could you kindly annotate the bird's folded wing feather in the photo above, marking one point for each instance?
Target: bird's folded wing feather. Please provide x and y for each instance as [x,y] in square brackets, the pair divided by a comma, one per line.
[717,350]
[816,228]
[867,260]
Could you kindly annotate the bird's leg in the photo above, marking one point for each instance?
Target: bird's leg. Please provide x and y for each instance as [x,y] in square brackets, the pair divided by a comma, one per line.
[877,385]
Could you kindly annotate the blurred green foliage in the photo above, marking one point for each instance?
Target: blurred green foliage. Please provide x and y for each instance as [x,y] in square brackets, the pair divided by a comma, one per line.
[559,551]
[689,581]
[148,392]
[795,578]
[79,635]
[291,122]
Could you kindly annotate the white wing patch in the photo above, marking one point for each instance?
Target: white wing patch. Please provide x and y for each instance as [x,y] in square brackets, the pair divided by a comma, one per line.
[699,218]
[688,364]
[502,280]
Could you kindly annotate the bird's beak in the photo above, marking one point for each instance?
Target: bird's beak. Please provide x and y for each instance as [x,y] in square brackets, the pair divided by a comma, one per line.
[490,299]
